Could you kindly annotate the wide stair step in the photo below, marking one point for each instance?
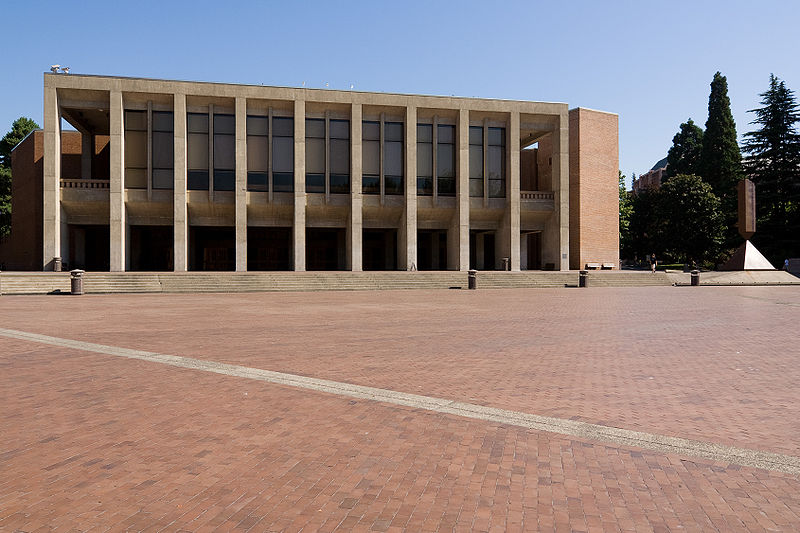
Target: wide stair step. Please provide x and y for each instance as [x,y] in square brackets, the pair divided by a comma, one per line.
[189,282]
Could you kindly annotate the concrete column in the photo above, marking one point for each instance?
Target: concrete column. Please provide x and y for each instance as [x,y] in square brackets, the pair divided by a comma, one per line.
[462,190]
[355,226]
[51,191]
[87,152]
[561,187]
[299,185]
[513,203]
[116,186]
[179,214]
[407,234]
[241,184]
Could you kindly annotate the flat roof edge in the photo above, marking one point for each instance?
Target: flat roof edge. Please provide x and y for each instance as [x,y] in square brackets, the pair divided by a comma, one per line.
[135,78]
[595,110]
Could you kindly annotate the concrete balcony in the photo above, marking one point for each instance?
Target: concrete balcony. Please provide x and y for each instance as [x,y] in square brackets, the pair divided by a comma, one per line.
[537,201]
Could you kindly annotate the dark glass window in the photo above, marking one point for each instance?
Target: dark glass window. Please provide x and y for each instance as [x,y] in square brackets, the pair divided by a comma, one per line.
[282,154]
[257,153]
[371,157]
[163,150]
[338,151]
[197,151]
[393,157]
[424,159]
[136,149]
[476,161]
[315,155]
[224,152]
[496,162]
[446,160]
[339,156]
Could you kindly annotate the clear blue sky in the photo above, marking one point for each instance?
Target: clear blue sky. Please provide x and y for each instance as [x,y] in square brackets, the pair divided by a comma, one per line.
[650,62]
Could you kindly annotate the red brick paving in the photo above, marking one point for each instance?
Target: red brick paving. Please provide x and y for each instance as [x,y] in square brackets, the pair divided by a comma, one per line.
[90,441]
[721,365]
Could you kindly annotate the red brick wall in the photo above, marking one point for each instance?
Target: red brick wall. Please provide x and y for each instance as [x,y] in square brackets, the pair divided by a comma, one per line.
[593,187]
[22,250]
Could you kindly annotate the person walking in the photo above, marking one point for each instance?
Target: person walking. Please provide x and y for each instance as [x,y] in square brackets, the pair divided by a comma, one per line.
[653,263]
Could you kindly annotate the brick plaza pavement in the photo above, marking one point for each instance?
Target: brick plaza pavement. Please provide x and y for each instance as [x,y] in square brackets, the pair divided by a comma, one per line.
[90,441]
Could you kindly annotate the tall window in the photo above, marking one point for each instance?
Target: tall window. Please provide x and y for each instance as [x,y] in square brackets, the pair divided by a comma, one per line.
[315,155]
[339,156]
[424,159]
[224,152]
[496,162]
[163,150]
[136,149]
[327,162]
[160,152]
[282,154]
[388,163]
[257,153]
[393,157]
[476,161]
[371,156]
[446,160]
[197,151]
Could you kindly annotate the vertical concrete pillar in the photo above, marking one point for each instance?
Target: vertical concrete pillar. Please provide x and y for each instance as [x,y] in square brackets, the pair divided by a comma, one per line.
[513,203]
[51,191]
[561,186]
[180,218]
[299,185]
[241,184]
[407,234]
[462,190]
[355,225]
[117,187]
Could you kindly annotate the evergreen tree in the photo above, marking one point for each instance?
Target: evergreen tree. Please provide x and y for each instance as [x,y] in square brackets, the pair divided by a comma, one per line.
[721,160]
[690,224]
[625,211]
[643,226]
[684,155]
[774,166]
[19,129]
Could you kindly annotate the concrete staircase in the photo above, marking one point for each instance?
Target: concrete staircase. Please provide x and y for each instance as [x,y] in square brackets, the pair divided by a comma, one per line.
[198,282]
[627,278]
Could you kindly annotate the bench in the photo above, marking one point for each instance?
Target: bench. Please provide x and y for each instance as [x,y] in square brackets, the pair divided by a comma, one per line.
[608,266]
[593,266]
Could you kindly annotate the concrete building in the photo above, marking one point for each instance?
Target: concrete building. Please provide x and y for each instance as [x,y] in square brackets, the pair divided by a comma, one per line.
[175,175]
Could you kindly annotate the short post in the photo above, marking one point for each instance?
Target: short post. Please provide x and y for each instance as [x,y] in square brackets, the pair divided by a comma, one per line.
[76,281]
[56,264]
[582,278]
[472,279]
[695,278]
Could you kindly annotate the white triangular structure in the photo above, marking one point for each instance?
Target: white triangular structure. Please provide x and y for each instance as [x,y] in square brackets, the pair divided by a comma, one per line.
[747,257]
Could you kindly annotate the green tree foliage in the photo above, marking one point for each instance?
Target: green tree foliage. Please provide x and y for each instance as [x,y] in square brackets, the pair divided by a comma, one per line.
[721,160]
[690,225]
[625,212]
[642,238]
[687,147]
[19,129]
[774,166]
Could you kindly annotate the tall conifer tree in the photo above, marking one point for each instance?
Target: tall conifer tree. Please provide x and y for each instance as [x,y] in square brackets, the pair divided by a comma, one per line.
[687,147]
[774,166]
[721,160]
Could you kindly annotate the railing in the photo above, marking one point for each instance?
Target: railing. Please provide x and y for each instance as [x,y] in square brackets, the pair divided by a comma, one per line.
[536,195]
[84,184]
